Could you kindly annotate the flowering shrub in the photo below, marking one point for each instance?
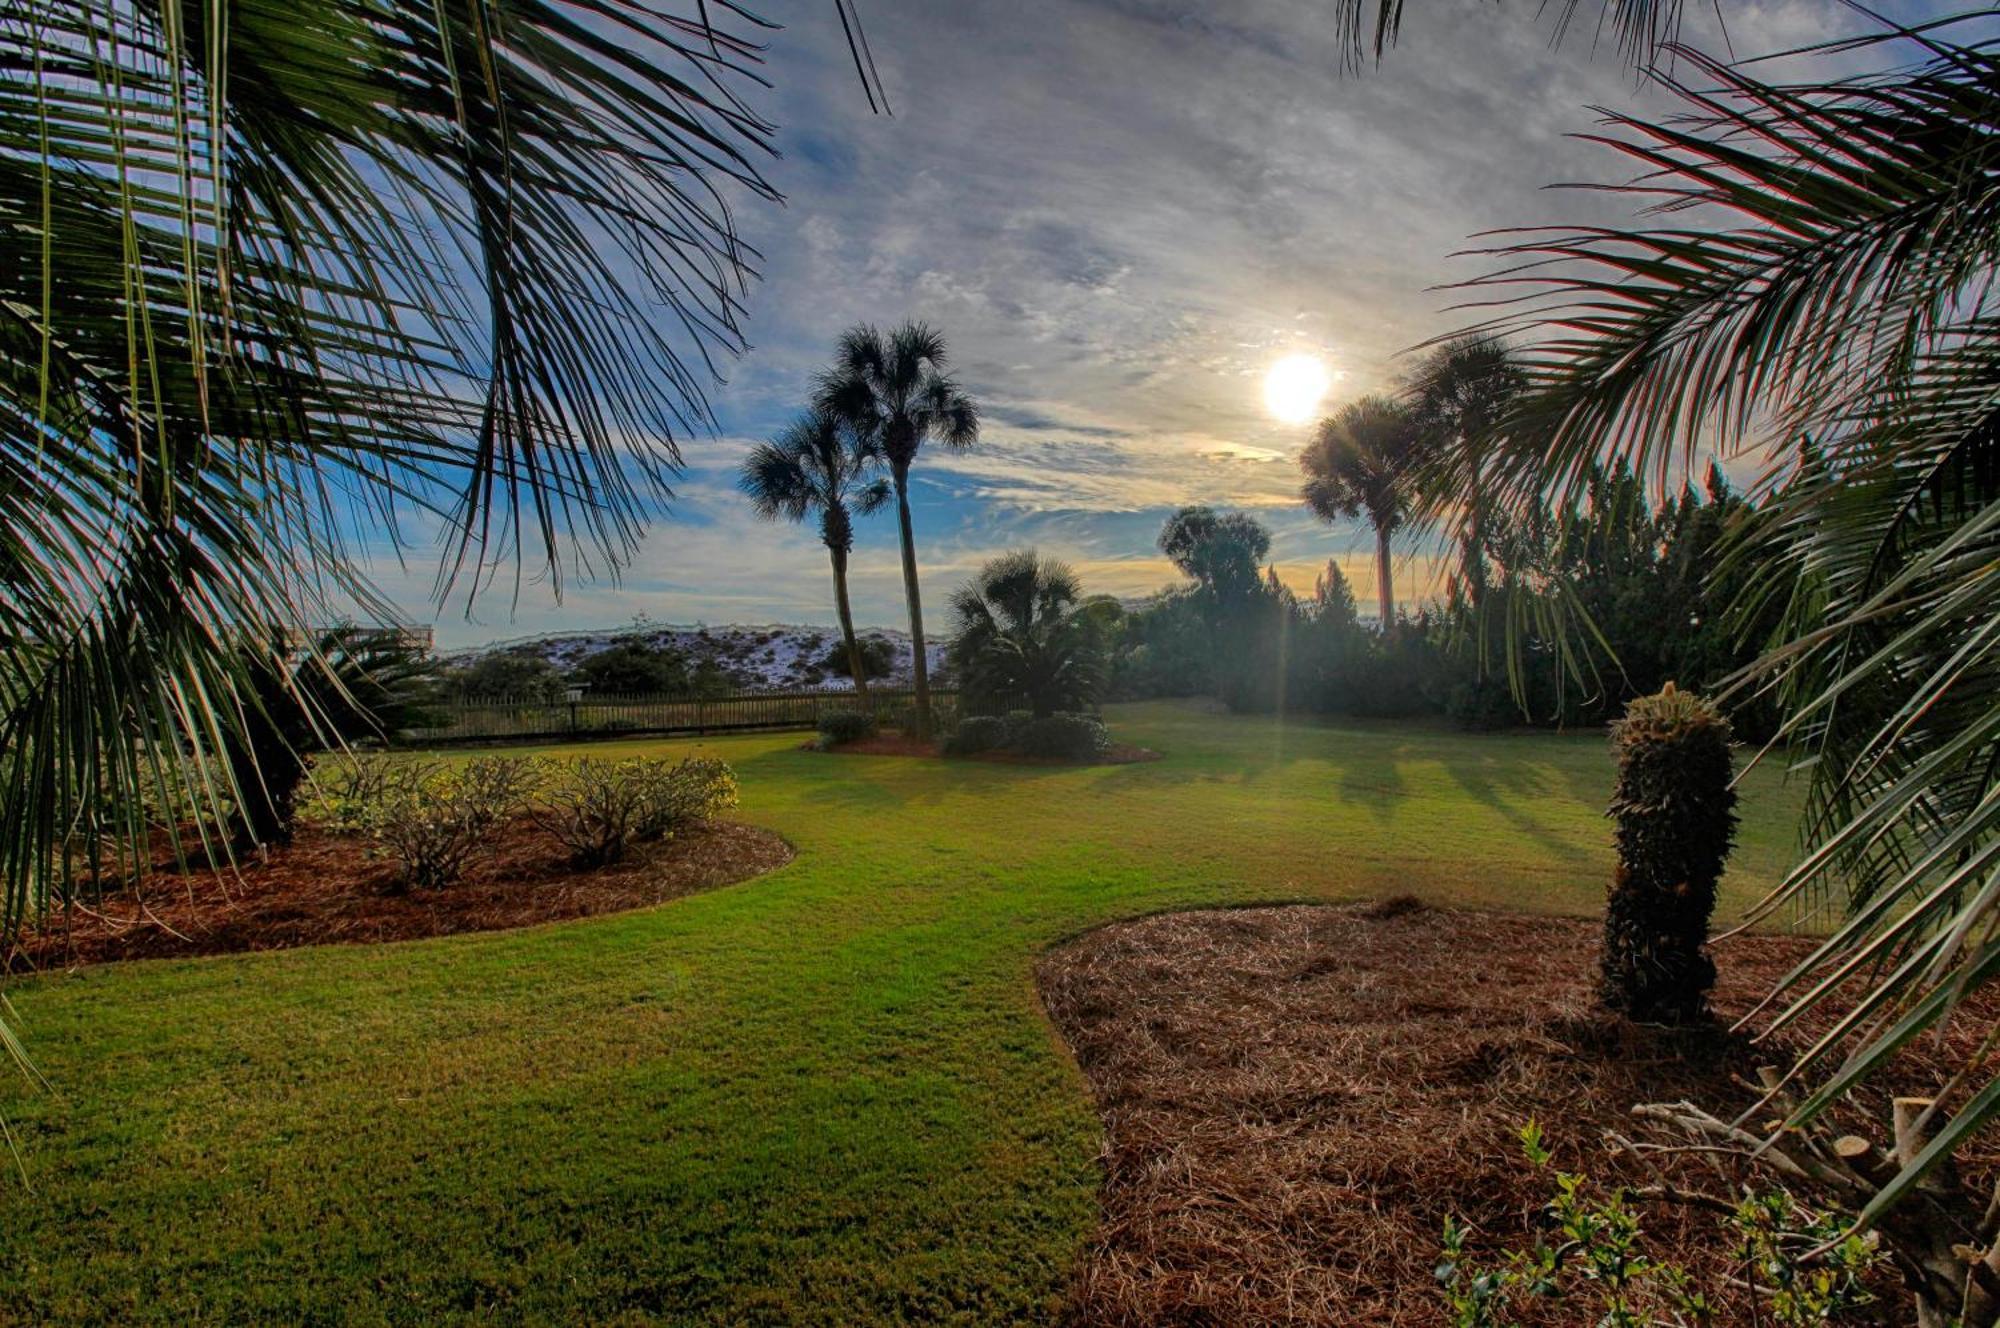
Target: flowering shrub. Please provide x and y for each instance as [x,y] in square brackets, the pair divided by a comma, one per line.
[434,817]
[682,795]
[347,789]
[597,808]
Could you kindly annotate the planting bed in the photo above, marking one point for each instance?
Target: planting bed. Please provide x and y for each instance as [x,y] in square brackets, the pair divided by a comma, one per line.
[327,888]
[1296,1098]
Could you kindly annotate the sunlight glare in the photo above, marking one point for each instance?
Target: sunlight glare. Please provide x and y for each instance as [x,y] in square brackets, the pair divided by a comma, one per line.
[1294,386]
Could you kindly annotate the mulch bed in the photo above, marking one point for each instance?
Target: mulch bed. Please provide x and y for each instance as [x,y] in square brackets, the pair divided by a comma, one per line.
[1295,1098]
[329,889]
[902,744]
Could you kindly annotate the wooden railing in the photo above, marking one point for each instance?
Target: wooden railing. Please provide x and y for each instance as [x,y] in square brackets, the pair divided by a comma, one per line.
[631,716]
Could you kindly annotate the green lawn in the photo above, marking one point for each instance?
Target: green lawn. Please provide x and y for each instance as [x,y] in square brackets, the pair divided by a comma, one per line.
[823,1096]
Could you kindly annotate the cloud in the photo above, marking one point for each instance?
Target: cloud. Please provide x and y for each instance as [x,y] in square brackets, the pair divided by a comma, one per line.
[1120,212]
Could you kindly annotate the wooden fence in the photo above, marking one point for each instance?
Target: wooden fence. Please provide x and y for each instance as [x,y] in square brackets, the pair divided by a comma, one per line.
[631,716]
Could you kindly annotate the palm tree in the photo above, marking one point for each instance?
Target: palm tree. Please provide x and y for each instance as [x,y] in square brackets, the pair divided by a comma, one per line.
[893,389]
[271,283]
[1844,295]
[1358,465]
[819,465]
[1023,635]
[352,683]
[1457,394]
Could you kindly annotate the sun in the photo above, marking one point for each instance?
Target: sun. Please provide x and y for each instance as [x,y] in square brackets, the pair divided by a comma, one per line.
[1294,386]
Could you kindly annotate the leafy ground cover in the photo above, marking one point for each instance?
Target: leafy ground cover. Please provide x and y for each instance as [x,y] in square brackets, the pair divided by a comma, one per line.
[825,1095]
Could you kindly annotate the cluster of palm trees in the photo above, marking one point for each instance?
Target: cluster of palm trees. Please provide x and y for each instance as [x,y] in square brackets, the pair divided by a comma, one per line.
[1379,457]
[885,396]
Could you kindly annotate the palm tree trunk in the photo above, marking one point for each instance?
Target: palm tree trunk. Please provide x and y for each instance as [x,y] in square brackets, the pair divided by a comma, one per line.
[854,664]
[1385,582]
[920,666]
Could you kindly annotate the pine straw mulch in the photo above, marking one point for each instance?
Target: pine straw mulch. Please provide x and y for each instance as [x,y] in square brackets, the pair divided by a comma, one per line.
[904,744]
[1295,1098]
[328,888]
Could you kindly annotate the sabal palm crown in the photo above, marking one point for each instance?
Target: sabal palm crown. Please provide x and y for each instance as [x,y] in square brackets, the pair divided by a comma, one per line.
[1358,464]
[1023,635]
[1457,395]
[820,466]
[894,389]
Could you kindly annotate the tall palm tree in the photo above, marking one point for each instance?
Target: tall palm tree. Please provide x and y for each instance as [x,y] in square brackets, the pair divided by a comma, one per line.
[273,282]
[1844,293]
[893,388]
[1022,634]
[1358,464]
[1457,395]
[819,465]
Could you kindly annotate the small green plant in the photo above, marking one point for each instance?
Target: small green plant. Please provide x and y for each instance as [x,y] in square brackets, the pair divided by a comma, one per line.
[839,726]
[1675,806]
[1803,1267]
[435,817]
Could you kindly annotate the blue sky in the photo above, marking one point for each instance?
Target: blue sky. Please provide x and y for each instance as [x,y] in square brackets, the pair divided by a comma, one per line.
[1120,212]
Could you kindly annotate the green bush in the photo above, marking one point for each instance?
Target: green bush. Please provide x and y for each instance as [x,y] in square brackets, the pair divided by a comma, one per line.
[838,726]
[1066,737]
[434,817]
[977,733]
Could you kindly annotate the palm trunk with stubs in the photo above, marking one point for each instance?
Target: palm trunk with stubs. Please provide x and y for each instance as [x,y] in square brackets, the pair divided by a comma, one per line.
[854,662]
[920,665]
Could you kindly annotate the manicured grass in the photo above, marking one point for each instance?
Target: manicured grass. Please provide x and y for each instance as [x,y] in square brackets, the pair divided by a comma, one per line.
[824,1096]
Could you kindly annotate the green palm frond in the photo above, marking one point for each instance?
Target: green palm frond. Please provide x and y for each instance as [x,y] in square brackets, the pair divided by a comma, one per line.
[1024,635]
[275,277]
[1833,283]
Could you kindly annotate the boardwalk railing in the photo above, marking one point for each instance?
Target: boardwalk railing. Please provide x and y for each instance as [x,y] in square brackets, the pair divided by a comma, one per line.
[627,716]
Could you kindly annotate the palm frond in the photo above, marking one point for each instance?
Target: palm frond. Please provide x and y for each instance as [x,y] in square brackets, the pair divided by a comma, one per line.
[1839,289]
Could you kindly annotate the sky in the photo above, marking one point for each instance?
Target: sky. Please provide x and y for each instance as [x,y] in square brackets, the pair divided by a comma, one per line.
[1120,213]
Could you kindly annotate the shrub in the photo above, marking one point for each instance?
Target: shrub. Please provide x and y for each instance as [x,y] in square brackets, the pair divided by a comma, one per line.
[977,733]
[1068,737]
[838,726]
[434,818]
[349,789]
[598,809]
[682,795]
[1481,705]
[1676,816]
[1017,722]
[592,807]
